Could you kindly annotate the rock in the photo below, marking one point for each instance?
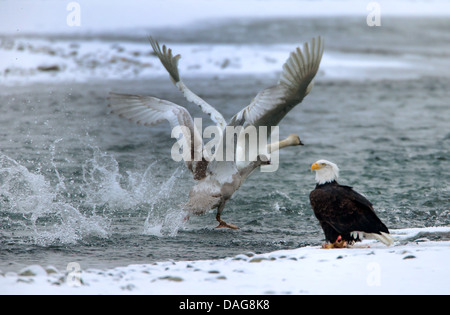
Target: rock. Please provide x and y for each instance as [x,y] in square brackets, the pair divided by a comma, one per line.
[49,68]
[51,270]
[258,259]
[171,278]
[214,271]
[32,271]
[225,63]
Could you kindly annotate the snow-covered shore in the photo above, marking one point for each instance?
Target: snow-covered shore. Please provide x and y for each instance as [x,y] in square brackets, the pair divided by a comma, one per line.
[416,264]
[32,61]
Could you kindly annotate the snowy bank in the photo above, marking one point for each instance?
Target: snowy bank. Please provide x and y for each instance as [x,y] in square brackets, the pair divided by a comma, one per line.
[414,265]
[27,61]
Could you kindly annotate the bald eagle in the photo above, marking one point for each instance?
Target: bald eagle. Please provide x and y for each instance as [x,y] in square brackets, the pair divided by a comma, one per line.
[344,215]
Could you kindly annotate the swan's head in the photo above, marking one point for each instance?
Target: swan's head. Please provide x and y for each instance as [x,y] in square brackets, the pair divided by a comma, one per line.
[262,159]
[293,140]
[326,171]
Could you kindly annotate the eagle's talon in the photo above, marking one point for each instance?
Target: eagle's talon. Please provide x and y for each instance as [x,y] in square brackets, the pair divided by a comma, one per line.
[339,243]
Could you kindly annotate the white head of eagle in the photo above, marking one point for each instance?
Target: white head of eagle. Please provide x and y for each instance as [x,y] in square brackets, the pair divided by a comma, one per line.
[326,171]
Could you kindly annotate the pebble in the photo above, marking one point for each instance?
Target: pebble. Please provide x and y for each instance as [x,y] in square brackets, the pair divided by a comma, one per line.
[32,271]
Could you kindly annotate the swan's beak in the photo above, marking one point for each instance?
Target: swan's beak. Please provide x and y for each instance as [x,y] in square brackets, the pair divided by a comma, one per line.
[315,167]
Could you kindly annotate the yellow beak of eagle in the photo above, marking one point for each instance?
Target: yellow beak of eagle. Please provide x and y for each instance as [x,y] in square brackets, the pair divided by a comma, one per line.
[316,166]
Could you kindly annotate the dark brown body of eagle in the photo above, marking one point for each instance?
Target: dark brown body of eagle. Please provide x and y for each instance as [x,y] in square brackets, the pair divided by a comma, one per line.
[341,211]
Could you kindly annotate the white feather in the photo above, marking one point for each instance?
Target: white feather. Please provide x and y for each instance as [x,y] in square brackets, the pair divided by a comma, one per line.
[296,81]
[328,173]
[170,62]
[384,238]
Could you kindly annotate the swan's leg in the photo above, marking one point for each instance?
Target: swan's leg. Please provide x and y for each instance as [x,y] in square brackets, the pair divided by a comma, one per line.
[222,223]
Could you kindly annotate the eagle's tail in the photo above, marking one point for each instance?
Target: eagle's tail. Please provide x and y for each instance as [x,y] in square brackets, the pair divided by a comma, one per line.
[383,237]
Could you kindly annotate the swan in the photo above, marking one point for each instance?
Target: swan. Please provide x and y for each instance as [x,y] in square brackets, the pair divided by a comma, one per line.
[269,106]
[218,180]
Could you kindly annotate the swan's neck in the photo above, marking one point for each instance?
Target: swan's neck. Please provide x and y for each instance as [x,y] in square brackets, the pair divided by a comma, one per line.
[246,171]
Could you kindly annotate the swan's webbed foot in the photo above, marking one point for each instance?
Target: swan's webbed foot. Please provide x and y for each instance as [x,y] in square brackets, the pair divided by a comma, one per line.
[227,225]
[222,223]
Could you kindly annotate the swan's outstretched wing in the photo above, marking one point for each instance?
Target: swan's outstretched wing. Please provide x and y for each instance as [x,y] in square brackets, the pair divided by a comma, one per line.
[170,62]
[148,110]
[296,81]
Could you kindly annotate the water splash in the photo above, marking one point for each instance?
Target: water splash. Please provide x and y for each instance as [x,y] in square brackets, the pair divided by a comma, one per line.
[52,208]
[102,183]
[35,204]
[133,191]
[164,219]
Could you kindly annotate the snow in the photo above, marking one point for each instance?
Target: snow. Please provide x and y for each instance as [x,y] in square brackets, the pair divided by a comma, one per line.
[25,61]
[417,266]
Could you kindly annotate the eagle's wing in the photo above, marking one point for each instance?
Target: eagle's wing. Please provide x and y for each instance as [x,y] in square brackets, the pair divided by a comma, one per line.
[356,213]
[347,211]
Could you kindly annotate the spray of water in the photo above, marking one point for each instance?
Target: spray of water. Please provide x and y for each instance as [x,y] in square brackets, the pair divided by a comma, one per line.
[104,185]
[40,208]
[62,211]
[161,220]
